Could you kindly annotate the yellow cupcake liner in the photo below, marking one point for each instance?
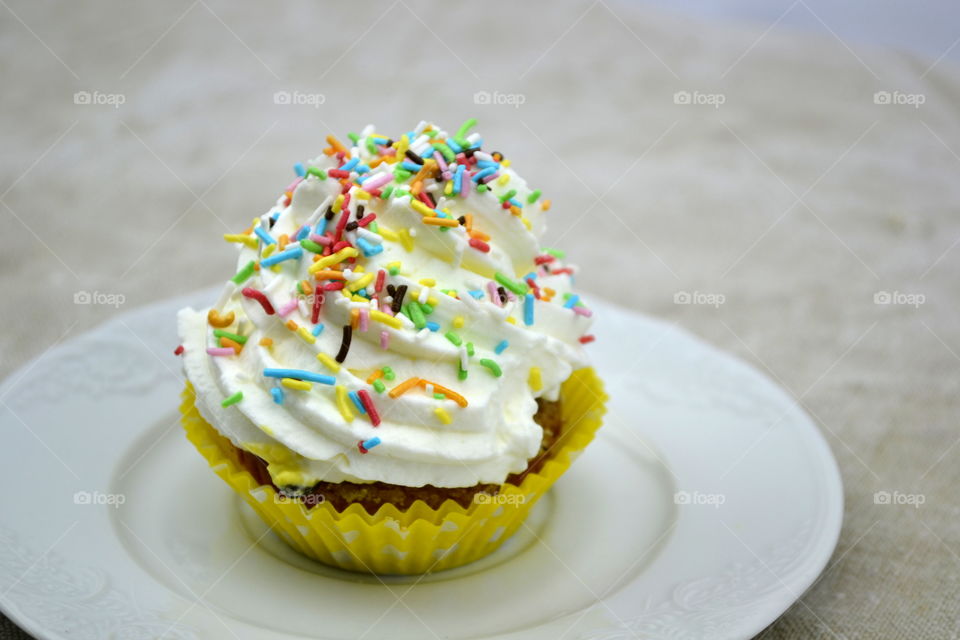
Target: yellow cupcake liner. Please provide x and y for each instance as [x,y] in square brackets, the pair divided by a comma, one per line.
[420,538]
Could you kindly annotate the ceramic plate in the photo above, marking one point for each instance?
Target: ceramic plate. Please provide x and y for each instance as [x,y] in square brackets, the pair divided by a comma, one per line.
[707,505]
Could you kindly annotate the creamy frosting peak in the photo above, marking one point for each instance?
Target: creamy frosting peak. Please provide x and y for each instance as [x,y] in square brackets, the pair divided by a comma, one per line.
[393,318]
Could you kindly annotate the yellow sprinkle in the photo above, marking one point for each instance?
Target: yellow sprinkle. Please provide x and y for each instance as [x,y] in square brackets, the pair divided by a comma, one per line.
[339,256]
[362,195]
[328,362]
[358,298]
[536,382]
[439,222]
[390,321]
[504,179]
[457,322]
[343,403]
[266,342]
[525,222]
[268,250]
[448,189]
[511,320]
[338,203]
[306,335]
[302,385]
[388,234]
[394,264]
[360,283]
[421,208]
[250,241]
[402,145]
[506,164]
[405,239]
[428,282]
[275,268]
[358,268]
[443,415]
[432,301]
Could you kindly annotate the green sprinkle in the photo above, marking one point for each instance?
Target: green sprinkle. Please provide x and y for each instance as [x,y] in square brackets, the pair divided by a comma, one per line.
[243,274]
[416,314]
[492,366]
[508,195]
[386,193]
[388,373]
[371,147]
[316,171]
[445,151]
[556,253]
[353,137]
[234,399]
[378,386]
[220,333]
[516,287]
[454,338]
[533,196]
[482,187]
[439,396]
[470,349]
[402,175]
[461,137]
[373,226]
[310,245]
[462,374]
[393,270]
[426,308]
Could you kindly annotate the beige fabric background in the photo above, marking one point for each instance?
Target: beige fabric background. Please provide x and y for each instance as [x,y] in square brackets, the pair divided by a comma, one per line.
[798,199]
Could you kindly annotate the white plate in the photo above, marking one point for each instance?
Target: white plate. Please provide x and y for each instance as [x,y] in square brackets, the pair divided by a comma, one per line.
[707,505]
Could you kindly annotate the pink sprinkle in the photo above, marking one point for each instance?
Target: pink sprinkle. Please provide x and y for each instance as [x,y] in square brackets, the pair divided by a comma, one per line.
[220,351]
[323,240]
[293,185]
[465,185]
[440,161]
[287,309]
[494,294]
[384,340]
[377,181]
[583,311]
[364,319]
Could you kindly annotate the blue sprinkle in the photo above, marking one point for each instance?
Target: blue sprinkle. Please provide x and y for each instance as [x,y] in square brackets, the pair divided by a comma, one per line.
[275,215]
[528,309]
[530,276]
[317,330]
[571,302]
[350,165]
[476,293]
[303,233]
[371,443]
[289,254]
[368,248]
[500,348]
[477,144]
[458,179]
[362,168]
[277,394]
[433,326]
[321,227]
[299,374]
[411,166]
[356,400]
[454,146]
[515,203]
[480,175]
[300,171]
[266,237]
[486,164]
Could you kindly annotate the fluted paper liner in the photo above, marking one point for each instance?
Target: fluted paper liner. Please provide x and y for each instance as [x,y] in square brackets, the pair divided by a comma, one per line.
[421,538]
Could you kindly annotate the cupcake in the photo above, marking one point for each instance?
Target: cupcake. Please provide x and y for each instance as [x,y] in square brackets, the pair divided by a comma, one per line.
[396,372]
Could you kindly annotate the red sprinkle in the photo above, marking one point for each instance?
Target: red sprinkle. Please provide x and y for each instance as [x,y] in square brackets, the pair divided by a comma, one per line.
[367,402]
[317,303]
[367,219]
[587,338]
[479,245]
[381,277]
[333,286]
[178,350]
[337,173]
[543,259]
[536,289]
[259,297]
[557,272]
[361,447]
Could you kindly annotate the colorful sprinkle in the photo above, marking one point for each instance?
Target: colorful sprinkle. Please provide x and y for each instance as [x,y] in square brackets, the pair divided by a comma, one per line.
[365,445]
[260,297]
[299,374]
[215,319]
[528,309]
[342,404]
[535,379]
[234,399]
[501,346]
[221,351]
[492,366]
[296,384]
[277,394]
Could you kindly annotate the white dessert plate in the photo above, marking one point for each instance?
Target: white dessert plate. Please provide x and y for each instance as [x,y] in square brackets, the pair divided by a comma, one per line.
[708,503]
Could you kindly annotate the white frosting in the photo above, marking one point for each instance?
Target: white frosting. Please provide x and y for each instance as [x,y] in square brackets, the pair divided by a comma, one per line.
[307,436]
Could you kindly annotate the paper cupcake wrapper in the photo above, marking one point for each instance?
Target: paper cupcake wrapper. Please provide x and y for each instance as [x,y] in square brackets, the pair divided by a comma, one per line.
[418,539]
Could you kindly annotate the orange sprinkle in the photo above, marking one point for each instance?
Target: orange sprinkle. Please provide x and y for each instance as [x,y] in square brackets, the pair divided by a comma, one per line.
[354,318]
[376,375]
[282,241]
[337,145]
[266,342]
[403,387]
[328,274]
[227,342]
[453,395]
[219,321]
[479,235]
[515,210]
[416,186]
[256,265]
[306,286]
[469,219]
[545,205]
[290,324]
[439,222]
